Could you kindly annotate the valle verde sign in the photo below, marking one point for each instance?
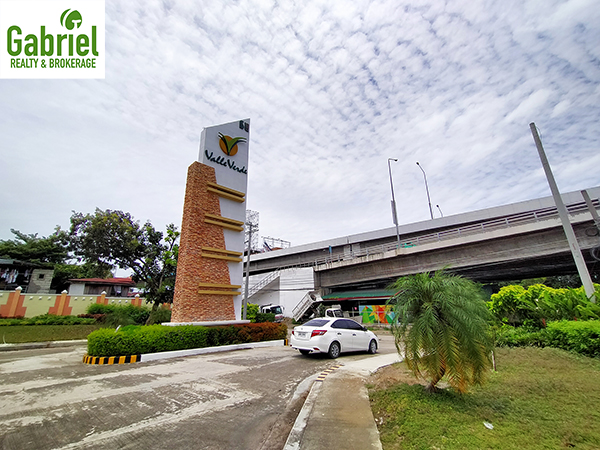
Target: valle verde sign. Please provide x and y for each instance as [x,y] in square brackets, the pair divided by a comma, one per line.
[52,39]
[225,162]
[226,146]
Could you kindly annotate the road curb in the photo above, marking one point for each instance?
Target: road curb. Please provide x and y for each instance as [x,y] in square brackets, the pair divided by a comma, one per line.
[110,360]
[34,345]
[295,436]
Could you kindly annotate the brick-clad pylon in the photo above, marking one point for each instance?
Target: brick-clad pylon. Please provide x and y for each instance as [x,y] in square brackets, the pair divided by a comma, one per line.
[202,271]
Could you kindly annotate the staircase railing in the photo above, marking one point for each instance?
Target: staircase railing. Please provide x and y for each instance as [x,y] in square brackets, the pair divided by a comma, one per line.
[262,283]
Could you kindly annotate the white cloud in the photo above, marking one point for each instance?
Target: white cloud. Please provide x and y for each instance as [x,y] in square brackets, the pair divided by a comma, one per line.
[531,107]
[333,89]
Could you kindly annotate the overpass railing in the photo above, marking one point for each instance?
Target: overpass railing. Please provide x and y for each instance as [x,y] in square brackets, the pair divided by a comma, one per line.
[477,228]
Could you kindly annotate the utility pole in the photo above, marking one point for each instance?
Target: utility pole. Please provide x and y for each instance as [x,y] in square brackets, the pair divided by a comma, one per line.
[251,227]
[584,274]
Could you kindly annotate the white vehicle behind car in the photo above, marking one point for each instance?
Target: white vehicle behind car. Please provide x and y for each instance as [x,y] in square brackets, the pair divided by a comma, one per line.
[333,336]
[273,309]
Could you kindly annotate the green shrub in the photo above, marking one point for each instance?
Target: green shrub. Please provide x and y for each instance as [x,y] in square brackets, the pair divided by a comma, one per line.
[139,314]
[534,306]
[12,322]
[99,318]
[264,317]
[98,308]
[507,306]
[48,319]
[133,340]
[576,336]
[508,336]
[118,317]
[161,315]
[581,337]
[251,311]
[120,314]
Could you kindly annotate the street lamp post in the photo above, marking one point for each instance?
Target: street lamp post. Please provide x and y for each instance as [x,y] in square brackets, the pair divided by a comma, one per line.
[427,189]
[441,213]
[394,212]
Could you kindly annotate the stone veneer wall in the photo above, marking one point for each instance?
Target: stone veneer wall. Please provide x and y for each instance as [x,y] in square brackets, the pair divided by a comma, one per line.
[192,268]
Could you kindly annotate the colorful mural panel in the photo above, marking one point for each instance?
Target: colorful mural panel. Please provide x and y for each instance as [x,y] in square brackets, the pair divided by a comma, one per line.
[376,313]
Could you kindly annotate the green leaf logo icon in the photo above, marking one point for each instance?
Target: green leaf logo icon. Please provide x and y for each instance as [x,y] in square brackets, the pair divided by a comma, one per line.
[70,19]
[229,145]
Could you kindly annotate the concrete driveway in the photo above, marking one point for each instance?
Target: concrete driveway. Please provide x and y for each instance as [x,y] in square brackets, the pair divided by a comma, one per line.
[245,399]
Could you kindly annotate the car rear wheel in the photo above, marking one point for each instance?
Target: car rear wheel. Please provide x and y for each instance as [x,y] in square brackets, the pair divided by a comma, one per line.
[372,347]
[334,350]
[305,352]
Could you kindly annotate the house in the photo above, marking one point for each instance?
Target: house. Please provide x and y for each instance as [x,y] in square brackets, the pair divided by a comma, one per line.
[31,277]
[114,287]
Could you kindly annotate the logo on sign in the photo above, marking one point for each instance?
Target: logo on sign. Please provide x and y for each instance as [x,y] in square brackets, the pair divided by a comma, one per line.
[39,40]
[229,145]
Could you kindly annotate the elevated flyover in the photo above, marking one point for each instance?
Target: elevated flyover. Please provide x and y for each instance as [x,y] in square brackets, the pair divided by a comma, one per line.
[516,241]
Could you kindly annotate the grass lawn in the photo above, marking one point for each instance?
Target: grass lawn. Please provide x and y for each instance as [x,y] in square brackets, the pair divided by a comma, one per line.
[43,333]
[538,399]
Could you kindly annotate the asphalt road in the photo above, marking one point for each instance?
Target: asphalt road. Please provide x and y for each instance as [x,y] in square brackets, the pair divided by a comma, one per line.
[247,399]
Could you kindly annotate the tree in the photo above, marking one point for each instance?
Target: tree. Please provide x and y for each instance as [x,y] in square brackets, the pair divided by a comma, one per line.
[441,327]
[31,248]
[115,239]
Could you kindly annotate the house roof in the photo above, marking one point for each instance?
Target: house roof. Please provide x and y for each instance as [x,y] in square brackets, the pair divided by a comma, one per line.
[105,281]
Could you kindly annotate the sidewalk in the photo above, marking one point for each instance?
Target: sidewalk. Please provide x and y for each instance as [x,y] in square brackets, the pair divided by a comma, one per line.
[337,412]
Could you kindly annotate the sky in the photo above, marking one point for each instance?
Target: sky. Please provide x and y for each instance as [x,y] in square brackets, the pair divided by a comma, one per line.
[333,89]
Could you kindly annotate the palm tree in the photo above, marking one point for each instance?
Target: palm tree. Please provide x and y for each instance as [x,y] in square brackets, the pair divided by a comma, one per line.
[441,327]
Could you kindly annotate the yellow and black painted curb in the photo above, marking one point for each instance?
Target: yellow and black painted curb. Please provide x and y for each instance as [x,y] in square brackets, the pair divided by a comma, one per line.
[286,342]
[326,372]
[109,360]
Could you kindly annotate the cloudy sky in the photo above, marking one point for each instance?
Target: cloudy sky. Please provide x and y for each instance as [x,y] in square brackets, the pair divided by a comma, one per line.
[333,89]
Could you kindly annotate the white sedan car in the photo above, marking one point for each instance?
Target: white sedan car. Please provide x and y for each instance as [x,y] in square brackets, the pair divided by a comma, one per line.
[333,336]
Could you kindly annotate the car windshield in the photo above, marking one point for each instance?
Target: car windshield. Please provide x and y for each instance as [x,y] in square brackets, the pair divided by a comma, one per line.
[316,323]
[276,310]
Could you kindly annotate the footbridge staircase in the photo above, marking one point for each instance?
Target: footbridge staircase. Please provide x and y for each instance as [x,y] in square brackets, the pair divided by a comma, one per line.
[263,283]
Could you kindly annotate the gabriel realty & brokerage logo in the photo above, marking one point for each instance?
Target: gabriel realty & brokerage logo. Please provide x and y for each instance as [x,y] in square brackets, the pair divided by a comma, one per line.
[69,46]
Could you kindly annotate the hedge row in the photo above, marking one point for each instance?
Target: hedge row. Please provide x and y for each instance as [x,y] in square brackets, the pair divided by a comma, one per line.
[581,337]
[48,319]
[135,340]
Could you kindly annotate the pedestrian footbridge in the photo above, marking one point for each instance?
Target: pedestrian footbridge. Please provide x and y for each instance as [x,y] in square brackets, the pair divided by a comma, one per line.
[516,241]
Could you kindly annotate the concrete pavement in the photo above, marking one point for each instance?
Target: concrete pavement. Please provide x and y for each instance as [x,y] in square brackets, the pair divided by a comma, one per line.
[337,412]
